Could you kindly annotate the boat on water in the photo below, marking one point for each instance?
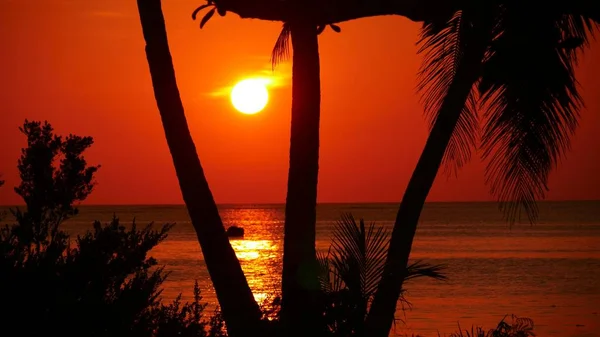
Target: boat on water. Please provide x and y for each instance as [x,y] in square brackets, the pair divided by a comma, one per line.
[235,232]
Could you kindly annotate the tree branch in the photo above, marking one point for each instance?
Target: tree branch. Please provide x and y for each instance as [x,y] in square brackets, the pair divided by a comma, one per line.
[335,11]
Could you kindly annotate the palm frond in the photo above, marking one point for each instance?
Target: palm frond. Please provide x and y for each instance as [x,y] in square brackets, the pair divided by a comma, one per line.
[349,253]
[197,10]
[324,274]
[329,280]
[281,51]
[532,100]
[442,43]
[377,240]
[359,254]
[422,269]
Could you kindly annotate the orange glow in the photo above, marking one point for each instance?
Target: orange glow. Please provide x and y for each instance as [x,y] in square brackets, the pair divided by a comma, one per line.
[81,65]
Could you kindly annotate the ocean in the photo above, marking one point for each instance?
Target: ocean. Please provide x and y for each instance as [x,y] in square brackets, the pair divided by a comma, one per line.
[549,271]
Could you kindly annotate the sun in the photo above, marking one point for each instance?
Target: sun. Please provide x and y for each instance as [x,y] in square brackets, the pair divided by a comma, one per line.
[250,96]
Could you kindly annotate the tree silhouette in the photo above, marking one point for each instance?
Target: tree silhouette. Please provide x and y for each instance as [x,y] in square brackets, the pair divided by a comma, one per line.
[49,193]
[299,275]
[100,283]
[521,63]
[240,311]
[453,114]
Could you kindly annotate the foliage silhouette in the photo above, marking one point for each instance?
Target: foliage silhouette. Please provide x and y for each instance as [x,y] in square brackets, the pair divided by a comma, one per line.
[522,81]
[468,58]
[106,285]
[529,92]
[350,273]
[519,327]
[49,192]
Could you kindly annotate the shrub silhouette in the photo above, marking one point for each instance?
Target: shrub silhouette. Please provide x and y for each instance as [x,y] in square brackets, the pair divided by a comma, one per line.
[518,327]
[102,284]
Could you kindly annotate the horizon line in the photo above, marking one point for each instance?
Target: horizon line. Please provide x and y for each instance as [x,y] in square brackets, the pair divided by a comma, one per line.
[318,204]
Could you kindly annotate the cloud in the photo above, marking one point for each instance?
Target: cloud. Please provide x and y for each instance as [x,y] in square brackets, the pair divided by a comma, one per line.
[278,78]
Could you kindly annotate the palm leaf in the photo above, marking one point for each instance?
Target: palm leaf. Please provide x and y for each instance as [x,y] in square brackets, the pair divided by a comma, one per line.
[329,280]
[281,51]
[377,240]
[421,269]
[442,43]
[349,253]
[358,255]
[532,100]
[197,10]
[207,17]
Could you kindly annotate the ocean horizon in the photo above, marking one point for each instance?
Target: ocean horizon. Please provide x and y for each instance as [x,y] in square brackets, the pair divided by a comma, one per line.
[548,271]
[251,204]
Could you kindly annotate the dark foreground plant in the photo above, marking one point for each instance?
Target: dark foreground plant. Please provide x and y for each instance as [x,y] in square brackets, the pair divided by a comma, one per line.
[103,283]
[519,327]
[351,271]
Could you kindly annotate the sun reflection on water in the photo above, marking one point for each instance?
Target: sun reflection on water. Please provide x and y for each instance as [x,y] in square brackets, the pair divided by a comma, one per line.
[260,251]
[259,260]
[254,249]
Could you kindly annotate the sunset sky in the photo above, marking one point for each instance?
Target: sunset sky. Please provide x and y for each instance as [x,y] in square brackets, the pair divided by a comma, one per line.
[81,65]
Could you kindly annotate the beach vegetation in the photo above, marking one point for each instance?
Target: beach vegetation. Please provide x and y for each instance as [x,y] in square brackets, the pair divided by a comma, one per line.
[101,283]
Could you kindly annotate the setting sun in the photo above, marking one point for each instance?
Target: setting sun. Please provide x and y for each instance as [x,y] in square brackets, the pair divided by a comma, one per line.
[249,96]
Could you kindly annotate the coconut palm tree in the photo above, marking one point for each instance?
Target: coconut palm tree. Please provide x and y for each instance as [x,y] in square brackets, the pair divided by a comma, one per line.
[299,274]
[516,65]
[300,285]
[240,310]
[450,86]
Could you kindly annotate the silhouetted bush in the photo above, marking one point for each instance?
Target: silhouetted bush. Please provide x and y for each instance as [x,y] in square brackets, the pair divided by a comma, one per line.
[519,327]
[102,284]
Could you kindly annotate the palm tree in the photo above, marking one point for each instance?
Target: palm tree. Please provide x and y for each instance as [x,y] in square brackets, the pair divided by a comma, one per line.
[520,62]
[239,308]
[299,275]
[515,123]
[300,286]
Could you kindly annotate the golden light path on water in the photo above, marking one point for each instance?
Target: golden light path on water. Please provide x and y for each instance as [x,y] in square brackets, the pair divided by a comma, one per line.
[252,254]
[260,253]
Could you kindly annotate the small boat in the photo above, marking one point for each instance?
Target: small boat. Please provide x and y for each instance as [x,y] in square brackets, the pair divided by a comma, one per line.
[235,232]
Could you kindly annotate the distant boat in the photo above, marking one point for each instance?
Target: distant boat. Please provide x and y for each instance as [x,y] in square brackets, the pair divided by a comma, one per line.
[235,232]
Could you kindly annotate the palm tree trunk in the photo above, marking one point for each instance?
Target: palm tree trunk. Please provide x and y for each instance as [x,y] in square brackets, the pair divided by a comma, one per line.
[240,310]
[299,276]
[381,315]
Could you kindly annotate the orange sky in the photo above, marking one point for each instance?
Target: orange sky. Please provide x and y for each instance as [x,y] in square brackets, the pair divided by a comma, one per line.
[81,65]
